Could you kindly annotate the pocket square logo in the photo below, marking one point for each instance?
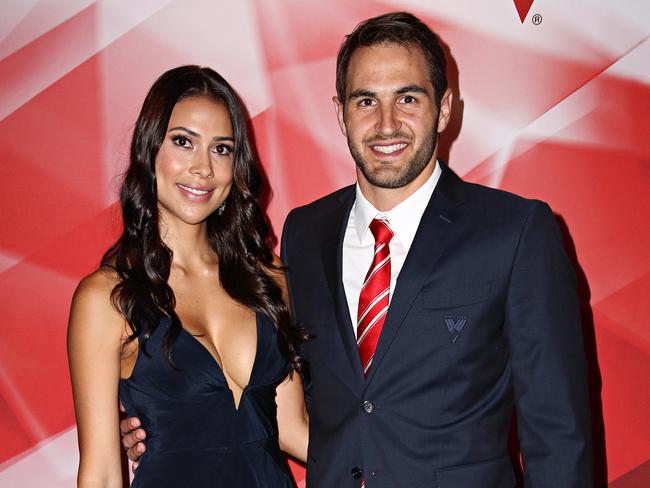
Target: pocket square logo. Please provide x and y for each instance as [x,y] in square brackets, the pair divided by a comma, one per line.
[455,324]
[523,7]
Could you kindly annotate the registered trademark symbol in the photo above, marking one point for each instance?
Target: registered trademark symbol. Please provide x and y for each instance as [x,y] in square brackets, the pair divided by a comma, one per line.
[537,19]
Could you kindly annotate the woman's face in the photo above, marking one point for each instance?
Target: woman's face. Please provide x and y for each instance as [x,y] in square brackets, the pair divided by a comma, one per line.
[194,165]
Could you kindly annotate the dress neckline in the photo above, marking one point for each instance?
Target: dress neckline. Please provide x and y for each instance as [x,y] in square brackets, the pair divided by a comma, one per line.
[219,368]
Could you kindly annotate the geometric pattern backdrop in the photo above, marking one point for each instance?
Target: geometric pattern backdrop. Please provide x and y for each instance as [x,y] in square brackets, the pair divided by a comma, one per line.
[556,110]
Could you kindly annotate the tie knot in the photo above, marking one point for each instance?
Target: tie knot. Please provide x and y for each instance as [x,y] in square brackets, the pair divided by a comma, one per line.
[381,231]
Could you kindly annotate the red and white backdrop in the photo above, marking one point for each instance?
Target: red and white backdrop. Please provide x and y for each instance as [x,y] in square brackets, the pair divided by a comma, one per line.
[554,103]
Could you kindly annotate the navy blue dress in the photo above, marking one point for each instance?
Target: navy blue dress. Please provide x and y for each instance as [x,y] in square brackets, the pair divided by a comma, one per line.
[195,435]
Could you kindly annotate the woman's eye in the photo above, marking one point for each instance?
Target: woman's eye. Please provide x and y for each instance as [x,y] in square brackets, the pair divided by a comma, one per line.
[222,149]
[181,141]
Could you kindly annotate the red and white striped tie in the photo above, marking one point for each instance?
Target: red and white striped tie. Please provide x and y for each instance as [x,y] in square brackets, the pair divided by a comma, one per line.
[374,296]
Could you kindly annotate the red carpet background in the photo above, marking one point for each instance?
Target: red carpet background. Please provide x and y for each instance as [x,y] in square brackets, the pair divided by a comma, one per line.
[552,102]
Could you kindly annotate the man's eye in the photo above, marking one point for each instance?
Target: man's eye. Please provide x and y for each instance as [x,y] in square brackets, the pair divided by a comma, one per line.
[367,102]
[409,99]
[222,149]
[181,141]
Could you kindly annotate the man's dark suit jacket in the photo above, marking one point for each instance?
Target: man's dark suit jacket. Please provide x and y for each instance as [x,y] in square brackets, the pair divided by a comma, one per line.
[484,318]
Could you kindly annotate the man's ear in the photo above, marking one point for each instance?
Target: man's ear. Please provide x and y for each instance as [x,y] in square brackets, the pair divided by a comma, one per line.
[338,106]
[445,110]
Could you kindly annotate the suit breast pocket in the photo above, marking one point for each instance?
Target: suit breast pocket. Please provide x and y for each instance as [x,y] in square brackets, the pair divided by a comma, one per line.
[456,297]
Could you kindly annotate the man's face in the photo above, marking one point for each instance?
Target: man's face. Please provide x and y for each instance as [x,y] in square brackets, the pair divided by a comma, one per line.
[389,116]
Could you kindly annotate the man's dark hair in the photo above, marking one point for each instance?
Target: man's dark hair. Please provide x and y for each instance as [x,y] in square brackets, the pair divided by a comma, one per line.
[401,29]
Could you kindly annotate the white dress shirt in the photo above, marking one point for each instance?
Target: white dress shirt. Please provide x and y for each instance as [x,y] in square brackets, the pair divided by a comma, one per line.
[359,243]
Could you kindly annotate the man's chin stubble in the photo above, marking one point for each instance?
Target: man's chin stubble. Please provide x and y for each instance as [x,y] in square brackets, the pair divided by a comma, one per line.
[399,178]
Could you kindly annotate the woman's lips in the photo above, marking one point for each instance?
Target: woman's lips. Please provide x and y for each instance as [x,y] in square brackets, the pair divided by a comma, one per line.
[196,194]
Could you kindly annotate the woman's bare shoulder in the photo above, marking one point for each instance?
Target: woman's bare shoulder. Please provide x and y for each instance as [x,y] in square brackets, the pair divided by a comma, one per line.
[94,291]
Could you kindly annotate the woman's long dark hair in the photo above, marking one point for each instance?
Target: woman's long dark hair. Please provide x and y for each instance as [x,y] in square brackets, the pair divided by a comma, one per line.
[238,236]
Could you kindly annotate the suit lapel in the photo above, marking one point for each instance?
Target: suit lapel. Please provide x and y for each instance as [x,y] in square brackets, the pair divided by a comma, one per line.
[434,233]
[332,234]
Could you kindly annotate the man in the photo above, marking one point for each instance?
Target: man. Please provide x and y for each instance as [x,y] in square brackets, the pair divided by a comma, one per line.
[435,306]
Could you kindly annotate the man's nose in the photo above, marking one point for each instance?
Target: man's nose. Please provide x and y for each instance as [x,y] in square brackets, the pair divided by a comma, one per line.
[389,122]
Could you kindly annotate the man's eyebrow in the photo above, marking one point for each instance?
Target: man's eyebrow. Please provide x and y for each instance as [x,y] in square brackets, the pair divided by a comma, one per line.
[362,93]
[411,89]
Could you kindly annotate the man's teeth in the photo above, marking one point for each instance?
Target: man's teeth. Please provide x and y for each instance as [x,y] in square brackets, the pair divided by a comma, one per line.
[389,149]
[193,190]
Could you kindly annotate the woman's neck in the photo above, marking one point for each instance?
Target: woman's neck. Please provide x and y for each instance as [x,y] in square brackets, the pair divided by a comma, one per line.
[189,244]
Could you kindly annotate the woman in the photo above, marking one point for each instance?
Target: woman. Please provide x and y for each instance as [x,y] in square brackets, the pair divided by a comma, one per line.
[187,315]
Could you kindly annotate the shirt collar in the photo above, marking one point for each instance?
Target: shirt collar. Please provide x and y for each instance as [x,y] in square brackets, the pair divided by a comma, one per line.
[404,218]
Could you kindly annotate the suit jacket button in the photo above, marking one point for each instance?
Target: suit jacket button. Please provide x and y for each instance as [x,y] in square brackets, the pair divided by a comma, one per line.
[368,407]
[356,473]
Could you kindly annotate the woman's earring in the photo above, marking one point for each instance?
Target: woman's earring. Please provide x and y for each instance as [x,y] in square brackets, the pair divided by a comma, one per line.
[221,208]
